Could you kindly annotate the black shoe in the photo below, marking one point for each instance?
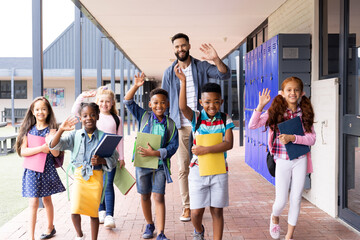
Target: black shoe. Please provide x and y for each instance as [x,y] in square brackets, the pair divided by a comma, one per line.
[48,236]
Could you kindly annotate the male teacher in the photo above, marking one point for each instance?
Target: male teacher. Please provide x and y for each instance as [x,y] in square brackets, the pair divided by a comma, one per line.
[197,74]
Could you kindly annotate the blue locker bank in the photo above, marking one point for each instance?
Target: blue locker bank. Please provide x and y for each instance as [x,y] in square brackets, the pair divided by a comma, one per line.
[267,66]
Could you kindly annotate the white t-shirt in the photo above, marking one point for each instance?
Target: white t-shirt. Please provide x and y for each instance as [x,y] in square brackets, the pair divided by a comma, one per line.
[190,95]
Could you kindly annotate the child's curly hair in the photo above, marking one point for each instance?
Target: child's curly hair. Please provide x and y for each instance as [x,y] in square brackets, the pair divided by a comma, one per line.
[279,106]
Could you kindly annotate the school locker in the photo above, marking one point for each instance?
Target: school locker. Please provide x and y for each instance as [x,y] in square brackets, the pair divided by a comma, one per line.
[267,66]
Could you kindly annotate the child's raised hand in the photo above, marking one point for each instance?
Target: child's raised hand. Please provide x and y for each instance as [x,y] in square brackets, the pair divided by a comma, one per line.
[89,94]
[69,123]
[146,151]
[179,73]
[139,79]
[199,150]
[264,97]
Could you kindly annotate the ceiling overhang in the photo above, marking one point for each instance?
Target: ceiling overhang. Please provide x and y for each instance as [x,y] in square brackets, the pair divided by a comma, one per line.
[142,29]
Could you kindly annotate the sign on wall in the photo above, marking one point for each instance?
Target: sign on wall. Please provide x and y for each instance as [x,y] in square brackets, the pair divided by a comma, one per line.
[55,96]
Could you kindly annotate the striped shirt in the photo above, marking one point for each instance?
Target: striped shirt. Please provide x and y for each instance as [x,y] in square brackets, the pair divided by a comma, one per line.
[278,149]
[208,125]
[190,95]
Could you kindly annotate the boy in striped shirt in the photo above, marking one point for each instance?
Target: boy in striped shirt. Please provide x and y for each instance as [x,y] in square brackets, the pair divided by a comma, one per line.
[207,191]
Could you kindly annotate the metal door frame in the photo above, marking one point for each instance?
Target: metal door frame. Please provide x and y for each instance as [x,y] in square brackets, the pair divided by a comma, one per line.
[345,119]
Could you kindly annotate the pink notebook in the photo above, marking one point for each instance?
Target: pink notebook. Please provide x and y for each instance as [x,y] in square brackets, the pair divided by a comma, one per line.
[35,162]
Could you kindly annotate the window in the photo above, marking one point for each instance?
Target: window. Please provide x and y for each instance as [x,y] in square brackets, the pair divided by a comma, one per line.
[258,36]
[20,89]
[329,38]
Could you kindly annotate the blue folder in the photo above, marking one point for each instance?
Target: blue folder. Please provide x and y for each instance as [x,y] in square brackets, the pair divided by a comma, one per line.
[107,145]
[294,127]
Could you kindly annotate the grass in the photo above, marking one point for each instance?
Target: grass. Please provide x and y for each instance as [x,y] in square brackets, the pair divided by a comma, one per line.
[11,172]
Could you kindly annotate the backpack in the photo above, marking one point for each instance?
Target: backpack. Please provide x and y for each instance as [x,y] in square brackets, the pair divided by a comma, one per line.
[197,125]
[170,130]
[116,119]
[170,125]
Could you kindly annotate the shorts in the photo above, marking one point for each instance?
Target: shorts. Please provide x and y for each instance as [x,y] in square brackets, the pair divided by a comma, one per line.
[150,180]
[208,191]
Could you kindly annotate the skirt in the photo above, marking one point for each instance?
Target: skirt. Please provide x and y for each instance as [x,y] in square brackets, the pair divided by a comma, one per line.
[86,195]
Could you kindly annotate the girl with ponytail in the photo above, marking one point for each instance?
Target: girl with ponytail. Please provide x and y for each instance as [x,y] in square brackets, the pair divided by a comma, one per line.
[291,103]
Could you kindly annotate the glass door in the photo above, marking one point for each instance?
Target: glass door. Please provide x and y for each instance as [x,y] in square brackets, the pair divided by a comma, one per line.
[349,194]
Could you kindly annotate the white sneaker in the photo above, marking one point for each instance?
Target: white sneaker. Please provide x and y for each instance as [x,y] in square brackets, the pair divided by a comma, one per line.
[109,222]
[274,229]
[102,215]
[80,238]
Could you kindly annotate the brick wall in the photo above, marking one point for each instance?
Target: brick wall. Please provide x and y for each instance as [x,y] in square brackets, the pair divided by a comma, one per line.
[294,16]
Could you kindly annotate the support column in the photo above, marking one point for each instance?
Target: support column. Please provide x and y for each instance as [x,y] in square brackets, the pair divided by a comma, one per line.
[112,66]
[37,49]
[122,89]
[78,62]
[98,58]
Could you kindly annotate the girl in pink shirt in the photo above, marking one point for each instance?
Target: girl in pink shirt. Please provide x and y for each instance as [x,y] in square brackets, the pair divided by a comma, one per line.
[286,106]
[107,123]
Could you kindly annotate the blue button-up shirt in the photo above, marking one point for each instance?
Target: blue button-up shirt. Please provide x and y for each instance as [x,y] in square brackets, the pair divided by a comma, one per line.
[202,71]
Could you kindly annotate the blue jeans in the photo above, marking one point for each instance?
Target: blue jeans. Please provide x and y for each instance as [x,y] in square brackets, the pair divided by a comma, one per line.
[109,200]
[150,180]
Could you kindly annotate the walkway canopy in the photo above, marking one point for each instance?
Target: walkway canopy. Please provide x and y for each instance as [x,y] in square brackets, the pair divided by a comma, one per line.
[143,28]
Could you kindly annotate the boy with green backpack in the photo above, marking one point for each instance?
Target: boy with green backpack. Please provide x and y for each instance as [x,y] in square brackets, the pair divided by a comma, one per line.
[150,180]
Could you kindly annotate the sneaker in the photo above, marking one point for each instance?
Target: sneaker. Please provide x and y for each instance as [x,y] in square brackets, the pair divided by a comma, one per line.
[274,229]
[102,215]
[109,222]
[162,236]
[185,216]
[199,236]
[80,238]
[149,231]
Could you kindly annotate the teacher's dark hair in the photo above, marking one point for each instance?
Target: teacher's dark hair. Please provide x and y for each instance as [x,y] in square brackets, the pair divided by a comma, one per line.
[179,35]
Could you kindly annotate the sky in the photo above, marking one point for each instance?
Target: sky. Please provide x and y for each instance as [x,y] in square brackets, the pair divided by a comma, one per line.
[16,24]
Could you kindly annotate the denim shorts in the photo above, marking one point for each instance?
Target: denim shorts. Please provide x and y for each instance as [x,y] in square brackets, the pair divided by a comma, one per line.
[150,180]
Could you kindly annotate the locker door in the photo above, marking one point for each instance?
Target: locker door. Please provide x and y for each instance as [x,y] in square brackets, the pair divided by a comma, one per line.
[275,62]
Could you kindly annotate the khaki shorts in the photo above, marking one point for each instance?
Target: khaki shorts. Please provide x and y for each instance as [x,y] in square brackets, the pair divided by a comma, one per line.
[208,191]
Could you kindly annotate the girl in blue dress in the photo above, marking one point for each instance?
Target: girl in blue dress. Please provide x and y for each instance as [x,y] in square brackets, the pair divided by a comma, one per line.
[38,121]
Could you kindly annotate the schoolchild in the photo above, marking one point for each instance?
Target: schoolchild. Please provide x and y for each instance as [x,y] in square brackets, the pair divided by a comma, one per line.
[38,121]
[88,176]
[149,181]
[291,103]
[109,122]
[207,191]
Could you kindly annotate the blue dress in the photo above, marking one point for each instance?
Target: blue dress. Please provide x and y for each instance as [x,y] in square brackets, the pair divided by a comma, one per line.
[37,184]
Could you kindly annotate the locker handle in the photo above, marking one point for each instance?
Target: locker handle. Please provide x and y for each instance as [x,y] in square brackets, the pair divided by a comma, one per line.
[358,116]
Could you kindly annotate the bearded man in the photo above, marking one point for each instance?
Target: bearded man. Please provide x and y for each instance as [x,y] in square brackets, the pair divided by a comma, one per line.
[197,74]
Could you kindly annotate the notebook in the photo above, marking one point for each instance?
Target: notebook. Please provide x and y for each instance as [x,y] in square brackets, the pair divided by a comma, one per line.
[142,139]
[294,127]
[107,145]
[211,163]
[123,180]
[37,161]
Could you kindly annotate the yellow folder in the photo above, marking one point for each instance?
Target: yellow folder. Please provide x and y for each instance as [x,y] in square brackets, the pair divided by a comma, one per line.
[211,163]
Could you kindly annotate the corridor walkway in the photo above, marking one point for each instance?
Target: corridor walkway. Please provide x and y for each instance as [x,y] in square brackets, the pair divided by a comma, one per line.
[247,217]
